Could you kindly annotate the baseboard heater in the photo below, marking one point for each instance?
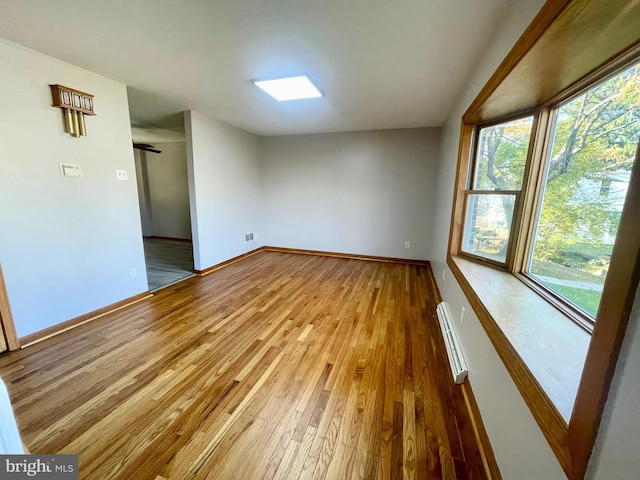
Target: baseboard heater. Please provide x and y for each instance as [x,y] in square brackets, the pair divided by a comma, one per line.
[454,351]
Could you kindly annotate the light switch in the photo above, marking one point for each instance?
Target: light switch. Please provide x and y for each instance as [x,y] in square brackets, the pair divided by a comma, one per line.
[122,175]
[70,170]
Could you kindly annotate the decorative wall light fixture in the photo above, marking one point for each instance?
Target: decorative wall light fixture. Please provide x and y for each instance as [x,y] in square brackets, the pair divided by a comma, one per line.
[75,105]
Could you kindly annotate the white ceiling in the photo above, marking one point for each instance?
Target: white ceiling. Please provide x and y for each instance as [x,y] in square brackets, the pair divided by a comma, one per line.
[381,63]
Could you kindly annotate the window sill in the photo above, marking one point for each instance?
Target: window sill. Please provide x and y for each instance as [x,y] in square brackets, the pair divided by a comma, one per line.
[551,346]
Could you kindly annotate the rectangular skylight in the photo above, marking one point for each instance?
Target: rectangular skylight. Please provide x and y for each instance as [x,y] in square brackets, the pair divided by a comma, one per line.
[291,88]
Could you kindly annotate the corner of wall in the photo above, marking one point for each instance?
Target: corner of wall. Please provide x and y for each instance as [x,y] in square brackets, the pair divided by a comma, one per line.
[68,245]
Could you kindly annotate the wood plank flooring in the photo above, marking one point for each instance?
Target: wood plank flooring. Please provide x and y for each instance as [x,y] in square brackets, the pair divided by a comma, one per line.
[168,261]
[278,366]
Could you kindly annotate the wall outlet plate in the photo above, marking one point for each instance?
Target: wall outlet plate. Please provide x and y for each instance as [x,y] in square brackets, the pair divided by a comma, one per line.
[407,244]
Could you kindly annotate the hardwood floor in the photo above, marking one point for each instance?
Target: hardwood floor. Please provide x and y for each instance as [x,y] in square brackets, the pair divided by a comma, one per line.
[278,366]
[168,261]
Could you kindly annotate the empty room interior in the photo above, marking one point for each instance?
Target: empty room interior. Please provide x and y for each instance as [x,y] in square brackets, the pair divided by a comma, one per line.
[273,239]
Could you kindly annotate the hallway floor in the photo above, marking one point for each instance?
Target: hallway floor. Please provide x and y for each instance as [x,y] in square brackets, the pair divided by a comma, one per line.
[168,261]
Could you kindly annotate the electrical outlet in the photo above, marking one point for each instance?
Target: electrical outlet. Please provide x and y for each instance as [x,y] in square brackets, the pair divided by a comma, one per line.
[122,175]
[132,273]
[444,273]
[407,244]
[462,310]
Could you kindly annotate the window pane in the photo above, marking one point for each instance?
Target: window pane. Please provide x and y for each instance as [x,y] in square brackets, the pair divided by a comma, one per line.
[488,224]
[502,155]
[587,174]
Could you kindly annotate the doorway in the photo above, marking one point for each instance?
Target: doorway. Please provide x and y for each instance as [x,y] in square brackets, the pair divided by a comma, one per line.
[163,194]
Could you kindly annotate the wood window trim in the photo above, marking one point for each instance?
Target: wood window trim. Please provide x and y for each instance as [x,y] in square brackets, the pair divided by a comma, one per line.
[542,66]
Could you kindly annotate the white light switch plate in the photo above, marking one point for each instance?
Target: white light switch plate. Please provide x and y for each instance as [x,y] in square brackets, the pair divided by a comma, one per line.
[122,175]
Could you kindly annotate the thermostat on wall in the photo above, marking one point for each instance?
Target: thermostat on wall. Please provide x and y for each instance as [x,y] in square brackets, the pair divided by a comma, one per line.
[70,170]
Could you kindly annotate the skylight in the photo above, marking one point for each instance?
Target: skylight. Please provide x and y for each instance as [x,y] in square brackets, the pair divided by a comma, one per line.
[290,88]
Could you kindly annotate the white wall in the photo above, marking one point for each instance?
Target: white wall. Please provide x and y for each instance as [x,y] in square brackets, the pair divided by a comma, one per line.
[67,244]
[169,190]
[520,447]
[360,192]
[225,189]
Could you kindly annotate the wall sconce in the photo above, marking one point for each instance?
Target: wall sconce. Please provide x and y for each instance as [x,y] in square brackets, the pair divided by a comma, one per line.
[75,105]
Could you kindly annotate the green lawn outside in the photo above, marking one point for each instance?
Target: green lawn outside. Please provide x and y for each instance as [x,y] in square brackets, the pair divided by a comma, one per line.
[586,299]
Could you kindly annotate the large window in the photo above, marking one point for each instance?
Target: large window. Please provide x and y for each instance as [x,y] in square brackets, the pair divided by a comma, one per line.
[584,166]
[586,176]
[571,247]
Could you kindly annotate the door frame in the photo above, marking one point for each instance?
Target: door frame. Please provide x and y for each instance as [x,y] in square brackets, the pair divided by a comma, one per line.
[10,338]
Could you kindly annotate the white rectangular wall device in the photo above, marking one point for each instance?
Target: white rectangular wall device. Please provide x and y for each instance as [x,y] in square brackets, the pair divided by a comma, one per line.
[454,351]
[70,170]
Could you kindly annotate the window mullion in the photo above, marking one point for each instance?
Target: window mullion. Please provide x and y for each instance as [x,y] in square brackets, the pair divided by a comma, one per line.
[531,189]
